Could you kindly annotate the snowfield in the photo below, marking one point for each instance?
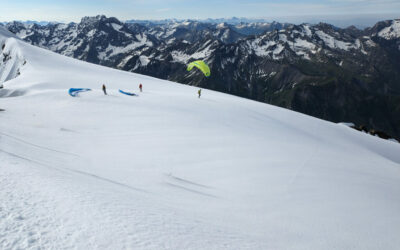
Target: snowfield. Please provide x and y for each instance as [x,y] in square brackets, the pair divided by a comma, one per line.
[167,170]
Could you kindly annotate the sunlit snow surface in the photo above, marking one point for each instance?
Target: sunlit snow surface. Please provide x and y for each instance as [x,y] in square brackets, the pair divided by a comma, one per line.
[392,31]
[169,170]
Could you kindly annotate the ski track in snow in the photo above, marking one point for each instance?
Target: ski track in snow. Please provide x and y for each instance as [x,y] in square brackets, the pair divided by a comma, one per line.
[186,181]
[30,218]
[191,190]
[35,145]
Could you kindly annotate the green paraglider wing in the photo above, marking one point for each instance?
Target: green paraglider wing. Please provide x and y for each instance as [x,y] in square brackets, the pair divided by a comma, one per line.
[201,65]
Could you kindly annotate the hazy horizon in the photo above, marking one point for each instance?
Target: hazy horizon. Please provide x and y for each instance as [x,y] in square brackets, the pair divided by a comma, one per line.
[337,12]
[360,21]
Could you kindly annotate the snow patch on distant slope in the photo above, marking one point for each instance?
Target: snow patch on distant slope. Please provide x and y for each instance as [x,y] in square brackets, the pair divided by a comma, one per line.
[333,43]
[221,26]
[207,51]
[283,37]
[24,33]
[144,60]
[392,31]
[369,42]
[91,33]
[279,48]
[303,48]
[67,47]
[115,26]
[115,50]
[307,30]
[179,56]
[61,26]
[124,61]
[259,48]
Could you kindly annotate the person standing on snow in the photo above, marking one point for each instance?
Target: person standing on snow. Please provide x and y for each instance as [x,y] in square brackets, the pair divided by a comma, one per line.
[199,92]
[104,89]
[140,87]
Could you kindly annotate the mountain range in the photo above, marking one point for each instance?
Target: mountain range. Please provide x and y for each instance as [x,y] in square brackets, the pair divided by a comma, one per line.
[336,74]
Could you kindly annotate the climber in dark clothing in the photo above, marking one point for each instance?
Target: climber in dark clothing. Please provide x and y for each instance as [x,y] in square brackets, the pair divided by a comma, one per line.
[104,89]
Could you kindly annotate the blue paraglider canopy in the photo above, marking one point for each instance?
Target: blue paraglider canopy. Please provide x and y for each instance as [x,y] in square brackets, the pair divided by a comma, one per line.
[127,93]
[75,91]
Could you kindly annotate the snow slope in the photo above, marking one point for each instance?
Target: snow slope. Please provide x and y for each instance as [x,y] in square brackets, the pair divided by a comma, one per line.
[10,57]
[392,31]
[167,170]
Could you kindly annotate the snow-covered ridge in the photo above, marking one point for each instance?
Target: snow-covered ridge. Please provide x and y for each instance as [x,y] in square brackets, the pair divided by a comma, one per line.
[391,32]
[333,43]
[11,58]
[303,40]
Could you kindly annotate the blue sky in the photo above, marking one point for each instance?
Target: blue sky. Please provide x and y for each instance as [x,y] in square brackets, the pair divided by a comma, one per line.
[73,10]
